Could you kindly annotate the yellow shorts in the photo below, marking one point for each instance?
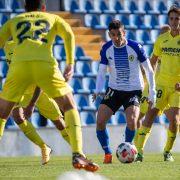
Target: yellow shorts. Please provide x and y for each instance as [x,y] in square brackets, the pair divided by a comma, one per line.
[45,75]
[46,106]
[167,97]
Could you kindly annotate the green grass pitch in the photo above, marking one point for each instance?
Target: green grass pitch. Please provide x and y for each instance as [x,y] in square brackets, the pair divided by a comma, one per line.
[153,168]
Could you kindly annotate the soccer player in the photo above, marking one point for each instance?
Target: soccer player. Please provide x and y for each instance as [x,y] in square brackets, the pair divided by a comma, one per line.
[46,106]
[33,64]
[144,103]
[123,57]
[166,48]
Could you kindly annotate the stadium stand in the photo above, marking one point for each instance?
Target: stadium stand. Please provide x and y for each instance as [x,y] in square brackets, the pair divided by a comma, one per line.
[142,20]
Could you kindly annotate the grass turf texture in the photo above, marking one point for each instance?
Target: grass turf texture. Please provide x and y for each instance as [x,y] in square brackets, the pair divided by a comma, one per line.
[153,167]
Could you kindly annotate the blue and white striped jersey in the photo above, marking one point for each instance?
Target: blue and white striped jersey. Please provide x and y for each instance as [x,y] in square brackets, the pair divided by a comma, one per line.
[124,65]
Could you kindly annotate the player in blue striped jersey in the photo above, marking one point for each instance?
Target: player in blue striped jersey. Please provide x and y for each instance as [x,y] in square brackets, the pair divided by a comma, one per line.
[123,59]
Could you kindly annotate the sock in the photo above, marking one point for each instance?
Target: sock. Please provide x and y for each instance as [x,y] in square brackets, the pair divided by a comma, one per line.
[136,137]
[30,132]
[103,138]
[129,135]
[2,126]
[65,135]
[171,136]
[143,135]
[73,127]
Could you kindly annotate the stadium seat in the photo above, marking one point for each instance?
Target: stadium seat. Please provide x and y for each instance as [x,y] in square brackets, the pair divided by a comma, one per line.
[162,19]
[120,7]
[130,34]
[135,21]
[59,41]
[105,19]
[81,101]
[76,8]
[106,8]
[143,37]
[80,55]
[59,52]
[16,6]
[89,84]
[3,18]
[120,117]
[10,124]
[161,7]
[148,49]
[76,84]
[94,67]
[3,69]
[154,34]
[124,19]
[92,20]
[151,21]
[82,68]
[144,7]
[132,6]
[88,118]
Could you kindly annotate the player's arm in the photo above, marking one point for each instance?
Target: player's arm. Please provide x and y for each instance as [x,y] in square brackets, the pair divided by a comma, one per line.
[5,33]
[64,30]
[30,108]
[154,59]
[151,81]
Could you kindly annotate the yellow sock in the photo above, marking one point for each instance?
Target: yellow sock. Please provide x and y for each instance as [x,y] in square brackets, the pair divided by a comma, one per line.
[2,126]
[143,135]
[170,141]
[73,124]
[65,135]
[136,138]
[30,132]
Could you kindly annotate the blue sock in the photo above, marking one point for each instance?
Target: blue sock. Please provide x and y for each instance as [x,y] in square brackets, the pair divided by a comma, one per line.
[129,135]
[103,138]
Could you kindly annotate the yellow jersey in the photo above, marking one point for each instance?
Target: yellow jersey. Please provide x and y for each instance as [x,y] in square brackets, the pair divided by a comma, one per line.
[34,34]
[168,49]
[9,49]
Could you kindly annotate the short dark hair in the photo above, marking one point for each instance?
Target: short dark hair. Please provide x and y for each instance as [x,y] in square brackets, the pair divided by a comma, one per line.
[115,24]
[174,8]
[31,5]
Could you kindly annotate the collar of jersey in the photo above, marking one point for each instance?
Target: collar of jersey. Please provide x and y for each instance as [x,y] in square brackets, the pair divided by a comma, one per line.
[120,46]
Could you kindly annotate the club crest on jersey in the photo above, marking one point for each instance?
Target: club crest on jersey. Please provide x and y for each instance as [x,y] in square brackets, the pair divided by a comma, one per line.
[131,58]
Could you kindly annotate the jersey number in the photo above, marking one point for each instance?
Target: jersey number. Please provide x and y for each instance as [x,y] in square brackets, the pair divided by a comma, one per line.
[159,93]
[26,26]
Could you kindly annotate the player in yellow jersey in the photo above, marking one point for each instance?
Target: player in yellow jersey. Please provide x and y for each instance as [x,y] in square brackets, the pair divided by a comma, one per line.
[144,103]
[167,48]
[33,64]
[45,105]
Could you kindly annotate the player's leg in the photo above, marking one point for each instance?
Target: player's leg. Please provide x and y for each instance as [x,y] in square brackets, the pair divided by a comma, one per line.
[103,115]
[30,132]
[173,115]
[5,110]
[49,109]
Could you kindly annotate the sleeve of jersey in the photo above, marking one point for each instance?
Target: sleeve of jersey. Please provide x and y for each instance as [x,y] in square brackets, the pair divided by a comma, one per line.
[104,59]
[141,54]
[4,33]
[156,49]
[65,32]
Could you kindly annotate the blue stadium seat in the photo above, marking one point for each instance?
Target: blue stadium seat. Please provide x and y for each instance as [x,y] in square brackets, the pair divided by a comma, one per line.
[88,6]
[120,7]
[162,19]
[59,40]
[130,35]
[124,19]
[105,8]
[2,7]
[82,68]
[76,8]
[94,105]
[120,117]
[92,7]
[94,67]
[88,118]
[154,34]
[80,55]
[76,84]
[143,37]
[132,6]
[16,6]
[89,84]
[161,7]
[59,52]
[3,69]
[148,49]
[10,124]
[136,21]
[3,18]
[92,20]
[146,6]
[151,21]
[105,19]
[81,101]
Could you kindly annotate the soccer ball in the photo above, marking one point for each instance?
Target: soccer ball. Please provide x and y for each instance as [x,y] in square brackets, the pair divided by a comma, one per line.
[126,152]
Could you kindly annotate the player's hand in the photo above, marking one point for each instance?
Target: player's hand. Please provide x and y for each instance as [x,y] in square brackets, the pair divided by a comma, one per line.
[68,72]
[177,86]
[28,111]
